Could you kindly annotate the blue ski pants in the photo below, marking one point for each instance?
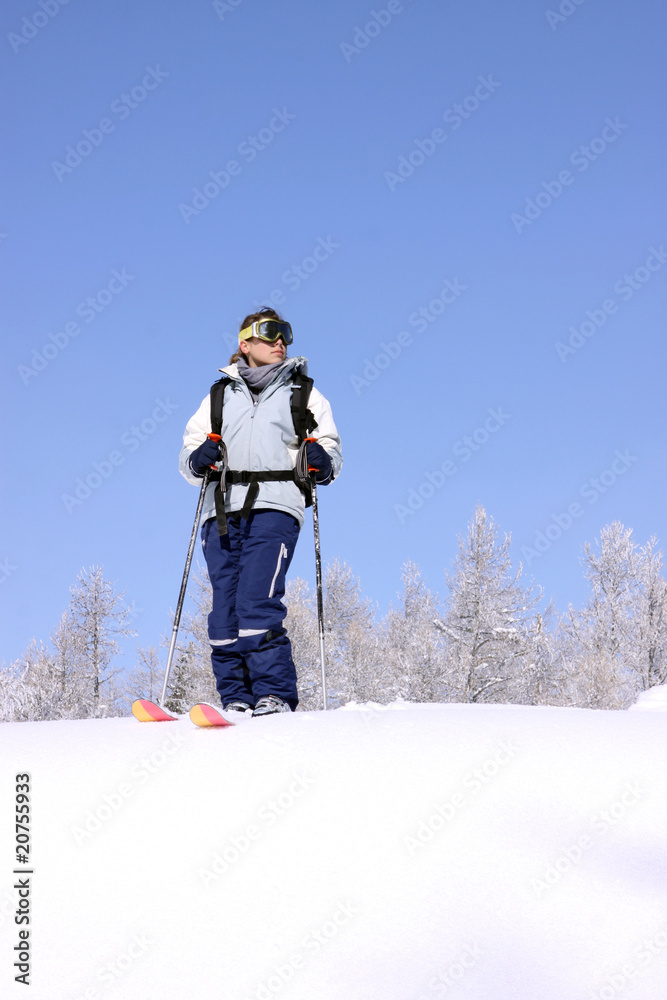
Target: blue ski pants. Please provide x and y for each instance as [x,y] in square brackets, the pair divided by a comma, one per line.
[251,654]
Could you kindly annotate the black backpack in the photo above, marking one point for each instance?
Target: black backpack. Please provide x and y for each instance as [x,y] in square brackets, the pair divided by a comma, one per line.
[304,424]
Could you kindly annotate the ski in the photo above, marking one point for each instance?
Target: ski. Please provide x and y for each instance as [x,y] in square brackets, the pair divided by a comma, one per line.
[207,716]
[148,711]
[203,715]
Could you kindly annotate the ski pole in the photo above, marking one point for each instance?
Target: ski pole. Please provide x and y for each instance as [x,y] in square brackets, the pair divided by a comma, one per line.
[186,574]
[318,575]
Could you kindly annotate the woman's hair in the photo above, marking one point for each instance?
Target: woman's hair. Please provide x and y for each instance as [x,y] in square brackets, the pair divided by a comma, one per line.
[266,312]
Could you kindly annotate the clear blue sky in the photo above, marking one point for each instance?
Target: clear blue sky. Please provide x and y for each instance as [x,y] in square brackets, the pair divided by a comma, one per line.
[465,184]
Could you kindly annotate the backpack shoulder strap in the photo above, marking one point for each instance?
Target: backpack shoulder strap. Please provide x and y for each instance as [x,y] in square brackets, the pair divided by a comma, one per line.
[304,421]
[217,397]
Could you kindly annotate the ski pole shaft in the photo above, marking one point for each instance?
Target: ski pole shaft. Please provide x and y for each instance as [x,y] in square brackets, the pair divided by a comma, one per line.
[318,576]
[184,581]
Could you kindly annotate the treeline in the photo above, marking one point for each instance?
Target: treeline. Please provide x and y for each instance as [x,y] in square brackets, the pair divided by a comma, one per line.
[490,640]
[77,674]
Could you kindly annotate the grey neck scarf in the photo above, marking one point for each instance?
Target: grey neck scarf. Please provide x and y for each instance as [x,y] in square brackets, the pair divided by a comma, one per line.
[257,378]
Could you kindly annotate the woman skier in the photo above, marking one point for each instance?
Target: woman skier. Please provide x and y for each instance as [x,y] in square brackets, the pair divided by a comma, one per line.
[251,524]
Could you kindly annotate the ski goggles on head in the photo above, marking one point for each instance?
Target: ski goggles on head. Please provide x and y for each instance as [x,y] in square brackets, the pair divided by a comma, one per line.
[269,330]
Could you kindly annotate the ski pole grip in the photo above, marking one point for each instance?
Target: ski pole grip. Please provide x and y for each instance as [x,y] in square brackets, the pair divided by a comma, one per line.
[311,468]
[214,437]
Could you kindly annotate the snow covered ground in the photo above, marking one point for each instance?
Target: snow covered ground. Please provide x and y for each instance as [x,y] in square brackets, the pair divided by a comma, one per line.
[397,853]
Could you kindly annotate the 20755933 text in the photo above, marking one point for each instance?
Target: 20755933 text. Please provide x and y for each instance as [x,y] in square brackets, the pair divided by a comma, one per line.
[22,885]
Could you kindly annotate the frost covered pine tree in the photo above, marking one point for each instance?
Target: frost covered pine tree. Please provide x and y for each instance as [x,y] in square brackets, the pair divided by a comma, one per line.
[618,639]
[8,701]
[49,682]
[490,619]
[651,664]
[41,680]
[600,633]
[73,678]
[351,642]
[413,653]
[97,619]
[301,625]
[543,678]
[145,680]
[188,684]
[26,686]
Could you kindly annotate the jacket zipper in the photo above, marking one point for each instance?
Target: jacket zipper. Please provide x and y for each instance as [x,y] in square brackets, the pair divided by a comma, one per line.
[255,404]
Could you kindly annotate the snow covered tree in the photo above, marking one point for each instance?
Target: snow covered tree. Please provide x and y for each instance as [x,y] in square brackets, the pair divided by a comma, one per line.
[620,636]
[350,639]
[490,619]
[73,678]
[49,682]
[301,625]
[38,693]
[23,694]
[412,661]
[146,679]
[651,639]
[194,623]
[8,688]
[602,631]
[6,693]
[542,672]
[97,620]
[191,680]
[68,676]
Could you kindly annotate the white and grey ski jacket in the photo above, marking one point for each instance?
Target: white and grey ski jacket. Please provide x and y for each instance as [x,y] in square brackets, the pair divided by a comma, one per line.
[259,435]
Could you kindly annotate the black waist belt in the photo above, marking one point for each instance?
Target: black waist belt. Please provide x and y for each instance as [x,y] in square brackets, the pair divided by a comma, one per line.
[231,477]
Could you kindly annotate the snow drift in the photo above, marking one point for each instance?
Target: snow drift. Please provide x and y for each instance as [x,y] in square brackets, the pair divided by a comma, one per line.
[401,852]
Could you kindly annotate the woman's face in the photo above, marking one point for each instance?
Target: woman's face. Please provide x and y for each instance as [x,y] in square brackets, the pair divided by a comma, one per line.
[259,352]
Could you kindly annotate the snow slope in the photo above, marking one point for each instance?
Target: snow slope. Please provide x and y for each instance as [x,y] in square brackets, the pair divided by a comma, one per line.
[395,853]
